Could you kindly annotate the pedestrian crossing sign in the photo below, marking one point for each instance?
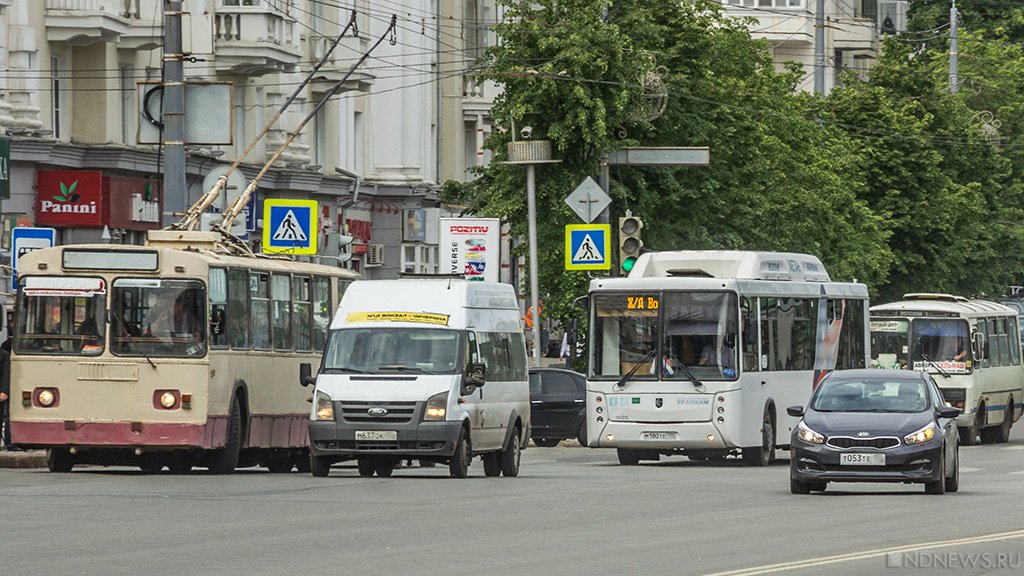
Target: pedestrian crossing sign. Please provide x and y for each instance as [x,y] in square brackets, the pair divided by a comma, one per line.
[289,226]
[587,246]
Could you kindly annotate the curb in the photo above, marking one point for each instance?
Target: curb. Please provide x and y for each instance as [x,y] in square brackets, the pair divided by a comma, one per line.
[34,459]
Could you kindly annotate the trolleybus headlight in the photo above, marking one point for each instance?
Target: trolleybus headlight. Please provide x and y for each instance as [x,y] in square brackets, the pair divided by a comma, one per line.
[808,435]
[46,398]
[324,407]
[437,406]
[923,435]
[168,400]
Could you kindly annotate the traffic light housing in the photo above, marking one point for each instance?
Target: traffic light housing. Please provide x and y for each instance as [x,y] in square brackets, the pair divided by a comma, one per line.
[630,244]
[344,248]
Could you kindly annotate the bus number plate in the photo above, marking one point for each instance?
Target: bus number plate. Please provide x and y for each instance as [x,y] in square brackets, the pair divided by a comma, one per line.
[871,459]
[655,435]
[377,435]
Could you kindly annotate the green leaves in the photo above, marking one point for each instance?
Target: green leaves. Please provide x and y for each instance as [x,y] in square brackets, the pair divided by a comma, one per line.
[67,193]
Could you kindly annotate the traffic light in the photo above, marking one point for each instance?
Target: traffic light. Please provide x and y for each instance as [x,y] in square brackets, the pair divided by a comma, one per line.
[344,248]
[630,244]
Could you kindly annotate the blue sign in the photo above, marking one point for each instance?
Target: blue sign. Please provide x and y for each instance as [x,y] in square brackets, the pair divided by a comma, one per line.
[25,240]
[250,214]
[290,226]
[587,246]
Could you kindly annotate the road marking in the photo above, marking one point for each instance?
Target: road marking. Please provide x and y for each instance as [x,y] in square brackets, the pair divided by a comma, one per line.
[966,469]
[1013,447]
[868,554]
[1021,472]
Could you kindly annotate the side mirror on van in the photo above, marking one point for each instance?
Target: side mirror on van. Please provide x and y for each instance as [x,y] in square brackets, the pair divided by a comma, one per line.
[477,374]
[306,374]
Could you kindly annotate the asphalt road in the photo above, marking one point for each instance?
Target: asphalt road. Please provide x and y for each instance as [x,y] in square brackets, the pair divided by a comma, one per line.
[573,511]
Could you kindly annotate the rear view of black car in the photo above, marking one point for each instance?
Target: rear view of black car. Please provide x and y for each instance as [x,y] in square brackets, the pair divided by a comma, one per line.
[557,406]
[875,426]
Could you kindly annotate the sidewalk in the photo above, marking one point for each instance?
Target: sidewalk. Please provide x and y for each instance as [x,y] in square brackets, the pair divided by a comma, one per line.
[31,459]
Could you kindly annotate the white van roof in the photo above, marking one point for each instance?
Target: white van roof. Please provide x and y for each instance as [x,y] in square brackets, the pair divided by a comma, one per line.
[452,302]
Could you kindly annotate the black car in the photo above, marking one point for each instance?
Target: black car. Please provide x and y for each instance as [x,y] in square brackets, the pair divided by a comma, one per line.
[875,426]
[557,405]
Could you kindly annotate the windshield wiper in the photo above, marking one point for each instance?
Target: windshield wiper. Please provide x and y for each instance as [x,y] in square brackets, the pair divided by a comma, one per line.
[689,373]
[405,369]
[934,365]
[148,359]
[339,369]
[625,377]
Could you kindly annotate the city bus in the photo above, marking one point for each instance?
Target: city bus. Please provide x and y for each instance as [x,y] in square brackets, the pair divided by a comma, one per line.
[157,356]
[973,349]
[699,353]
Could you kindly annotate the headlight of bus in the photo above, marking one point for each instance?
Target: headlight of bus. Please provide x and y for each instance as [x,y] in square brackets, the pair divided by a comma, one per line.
[437,407]
[324,407]
[808,435]
[923,435]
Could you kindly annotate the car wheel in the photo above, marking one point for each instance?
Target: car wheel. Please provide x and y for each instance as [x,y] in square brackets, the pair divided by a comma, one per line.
[365,467]
[510,457]
[798,487]
[819,486]
[628,457]
[546,442]
[319,466]
[953,482]
[939,486]
[458,464]
[581,434]
[764,454]
[491,466]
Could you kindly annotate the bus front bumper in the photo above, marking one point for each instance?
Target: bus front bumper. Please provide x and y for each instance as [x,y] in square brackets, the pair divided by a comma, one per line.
[46,434]
[661,436]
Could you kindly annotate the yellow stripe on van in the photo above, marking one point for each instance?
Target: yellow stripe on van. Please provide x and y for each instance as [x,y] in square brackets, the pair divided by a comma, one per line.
[421,317]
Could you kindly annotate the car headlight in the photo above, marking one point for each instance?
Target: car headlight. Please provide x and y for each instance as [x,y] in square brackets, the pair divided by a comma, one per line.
[923,435]
[808,435]
[324,407]
[437,406]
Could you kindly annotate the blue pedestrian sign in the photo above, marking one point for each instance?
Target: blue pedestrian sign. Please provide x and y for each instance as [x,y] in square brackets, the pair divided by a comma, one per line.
[25,240]
[289,226]
[587,246]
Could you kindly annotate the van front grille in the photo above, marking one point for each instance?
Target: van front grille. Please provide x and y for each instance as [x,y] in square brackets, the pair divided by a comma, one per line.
[368,412]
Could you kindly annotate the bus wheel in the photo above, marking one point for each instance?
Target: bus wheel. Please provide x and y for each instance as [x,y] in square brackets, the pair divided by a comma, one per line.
[509,458]
[60,460]
[1001,434]
[226,459]
[319,466]
[458,464]
[628,457]
[968,435]
[764,454]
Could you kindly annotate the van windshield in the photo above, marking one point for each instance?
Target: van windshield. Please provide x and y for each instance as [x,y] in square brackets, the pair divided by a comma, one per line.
[373,350]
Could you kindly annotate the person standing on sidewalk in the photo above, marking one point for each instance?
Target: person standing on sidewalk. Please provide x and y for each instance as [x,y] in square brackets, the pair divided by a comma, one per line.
[5,394]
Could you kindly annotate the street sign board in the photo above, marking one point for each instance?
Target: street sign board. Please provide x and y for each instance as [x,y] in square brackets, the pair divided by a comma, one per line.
[470,247]
[588,246]
[661,156]
[290,226]
[588,200]
[25,240]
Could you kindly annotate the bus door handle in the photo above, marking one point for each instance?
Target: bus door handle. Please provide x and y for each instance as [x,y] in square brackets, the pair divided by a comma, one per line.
[764,383]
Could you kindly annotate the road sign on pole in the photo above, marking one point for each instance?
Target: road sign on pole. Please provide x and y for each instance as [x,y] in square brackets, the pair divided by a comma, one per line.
[290,226]
[587,247]
[588,200]
[25,240]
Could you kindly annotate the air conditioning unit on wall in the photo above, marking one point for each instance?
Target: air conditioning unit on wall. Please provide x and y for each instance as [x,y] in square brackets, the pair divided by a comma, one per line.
[892,16]
[375,255]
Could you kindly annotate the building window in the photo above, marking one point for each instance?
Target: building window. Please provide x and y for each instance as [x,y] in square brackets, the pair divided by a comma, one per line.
[767,3]
[127,108]
[55,70]
[419,259]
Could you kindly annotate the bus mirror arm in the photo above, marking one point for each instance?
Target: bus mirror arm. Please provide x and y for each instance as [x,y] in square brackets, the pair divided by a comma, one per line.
[306,374]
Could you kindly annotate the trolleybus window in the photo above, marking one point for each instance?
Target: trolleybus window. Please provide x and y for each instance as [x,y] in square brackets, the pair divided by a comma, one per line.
[625,333]
[302,311]
[321,311]
[66,320]
[238,308]
[700,331]
[218,307]
[281,293]
[259,294]
[158,317]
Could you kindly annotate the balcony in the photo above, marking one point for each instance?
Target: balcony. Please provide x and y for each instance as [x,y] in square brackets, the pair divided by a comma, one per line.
[338,65]
[253,40]
[145,24]
[84,22]
[477,97]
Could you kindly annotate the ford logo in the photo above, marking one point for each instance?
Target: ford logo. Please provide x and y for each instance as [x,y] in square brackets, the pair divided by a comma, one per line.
[863,434]
[377,411]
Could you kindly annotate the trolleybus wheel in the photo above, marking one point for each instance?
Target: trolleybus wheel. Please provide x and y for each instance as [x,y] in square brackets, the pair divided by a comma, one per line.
[509,458]
[226,459]
[491,466]
[458,464]
[60,460]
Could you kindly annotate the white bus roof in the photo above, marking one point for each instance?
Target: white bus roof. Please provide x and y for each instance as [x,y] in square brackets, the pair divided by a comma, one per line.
[944,304]
[733,264]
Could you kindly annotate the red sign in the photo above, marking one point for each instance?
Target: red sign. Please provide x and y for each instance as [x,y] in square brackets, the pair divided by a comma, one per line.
[69,198]
[361,230]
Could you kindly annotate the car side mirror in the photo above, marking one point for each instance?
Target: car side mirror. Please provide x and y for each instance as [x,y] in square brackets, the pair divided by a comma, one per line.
[217,318]
[795,411]
[306,374]
[949,412]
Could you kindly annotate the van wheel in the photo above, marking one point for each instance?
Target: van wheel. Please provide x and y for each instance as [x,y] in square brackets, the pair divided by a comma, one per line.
[319,466]
[384,467]
[509,458]
[491,466]
[628,457]
[365,466]
[226,459]
[60,460]
[458,464]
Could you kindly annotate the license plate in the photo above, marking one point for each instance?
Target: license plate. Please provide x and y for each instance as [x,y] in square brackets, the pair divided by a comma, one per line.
[376,435]
[871,459]
[655,435]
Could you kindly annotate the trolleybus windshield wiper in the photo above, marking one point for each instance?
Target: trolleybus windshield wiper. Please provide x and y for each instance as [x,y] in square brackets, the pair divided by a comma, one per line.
[625,377]
[936,366]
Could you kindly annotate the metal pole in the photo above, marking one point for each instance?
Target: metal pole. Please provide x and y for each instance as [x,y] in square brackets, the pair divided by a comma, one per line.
[819,48]
[173,115]
[954,50]
[531,206]
[604,180]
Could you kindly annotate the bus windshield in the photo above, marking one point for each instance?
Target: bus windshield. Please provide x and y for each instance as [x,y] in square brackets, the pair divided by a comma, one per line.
[695,330]
[62,316]
[422,350]
[158,317]
[940,341]
[889,343]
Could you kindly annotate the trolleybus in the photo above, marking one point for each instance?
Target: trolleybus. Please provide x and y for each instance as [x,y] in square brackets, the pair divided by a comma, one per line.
[700,352]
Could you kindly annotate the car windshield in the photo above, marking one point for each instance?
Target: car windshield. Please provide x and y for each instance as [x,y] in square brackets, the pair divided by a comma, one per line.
[838,395]
[429,351]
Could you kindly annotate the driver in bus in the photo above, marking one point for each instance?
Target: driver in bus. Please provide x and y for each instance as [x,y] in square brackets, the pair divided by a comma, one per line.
[177,322]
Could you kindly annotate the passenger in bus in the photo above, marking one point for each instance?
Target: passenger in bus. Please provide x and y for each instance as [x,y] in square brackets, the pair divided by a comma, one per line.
[711,357]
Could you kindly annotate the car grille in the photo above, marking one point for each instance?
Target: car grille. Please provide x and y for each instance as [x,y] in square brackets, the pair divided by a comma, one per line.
[398,412]
[881,443]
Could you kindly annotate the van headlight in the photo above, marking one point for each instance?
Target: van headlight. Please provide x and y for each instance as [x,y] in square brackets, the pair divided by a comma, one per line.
[437,407]
[921,436]
[808,435]
[324,407]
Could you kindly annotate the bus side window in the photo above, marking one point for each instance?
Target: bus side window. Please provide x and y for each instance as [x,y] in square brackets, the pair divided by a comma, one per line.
[748,319]
[259,294]
[321,311]
[302,319]
[281,294]
[237,327]
[218,288]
